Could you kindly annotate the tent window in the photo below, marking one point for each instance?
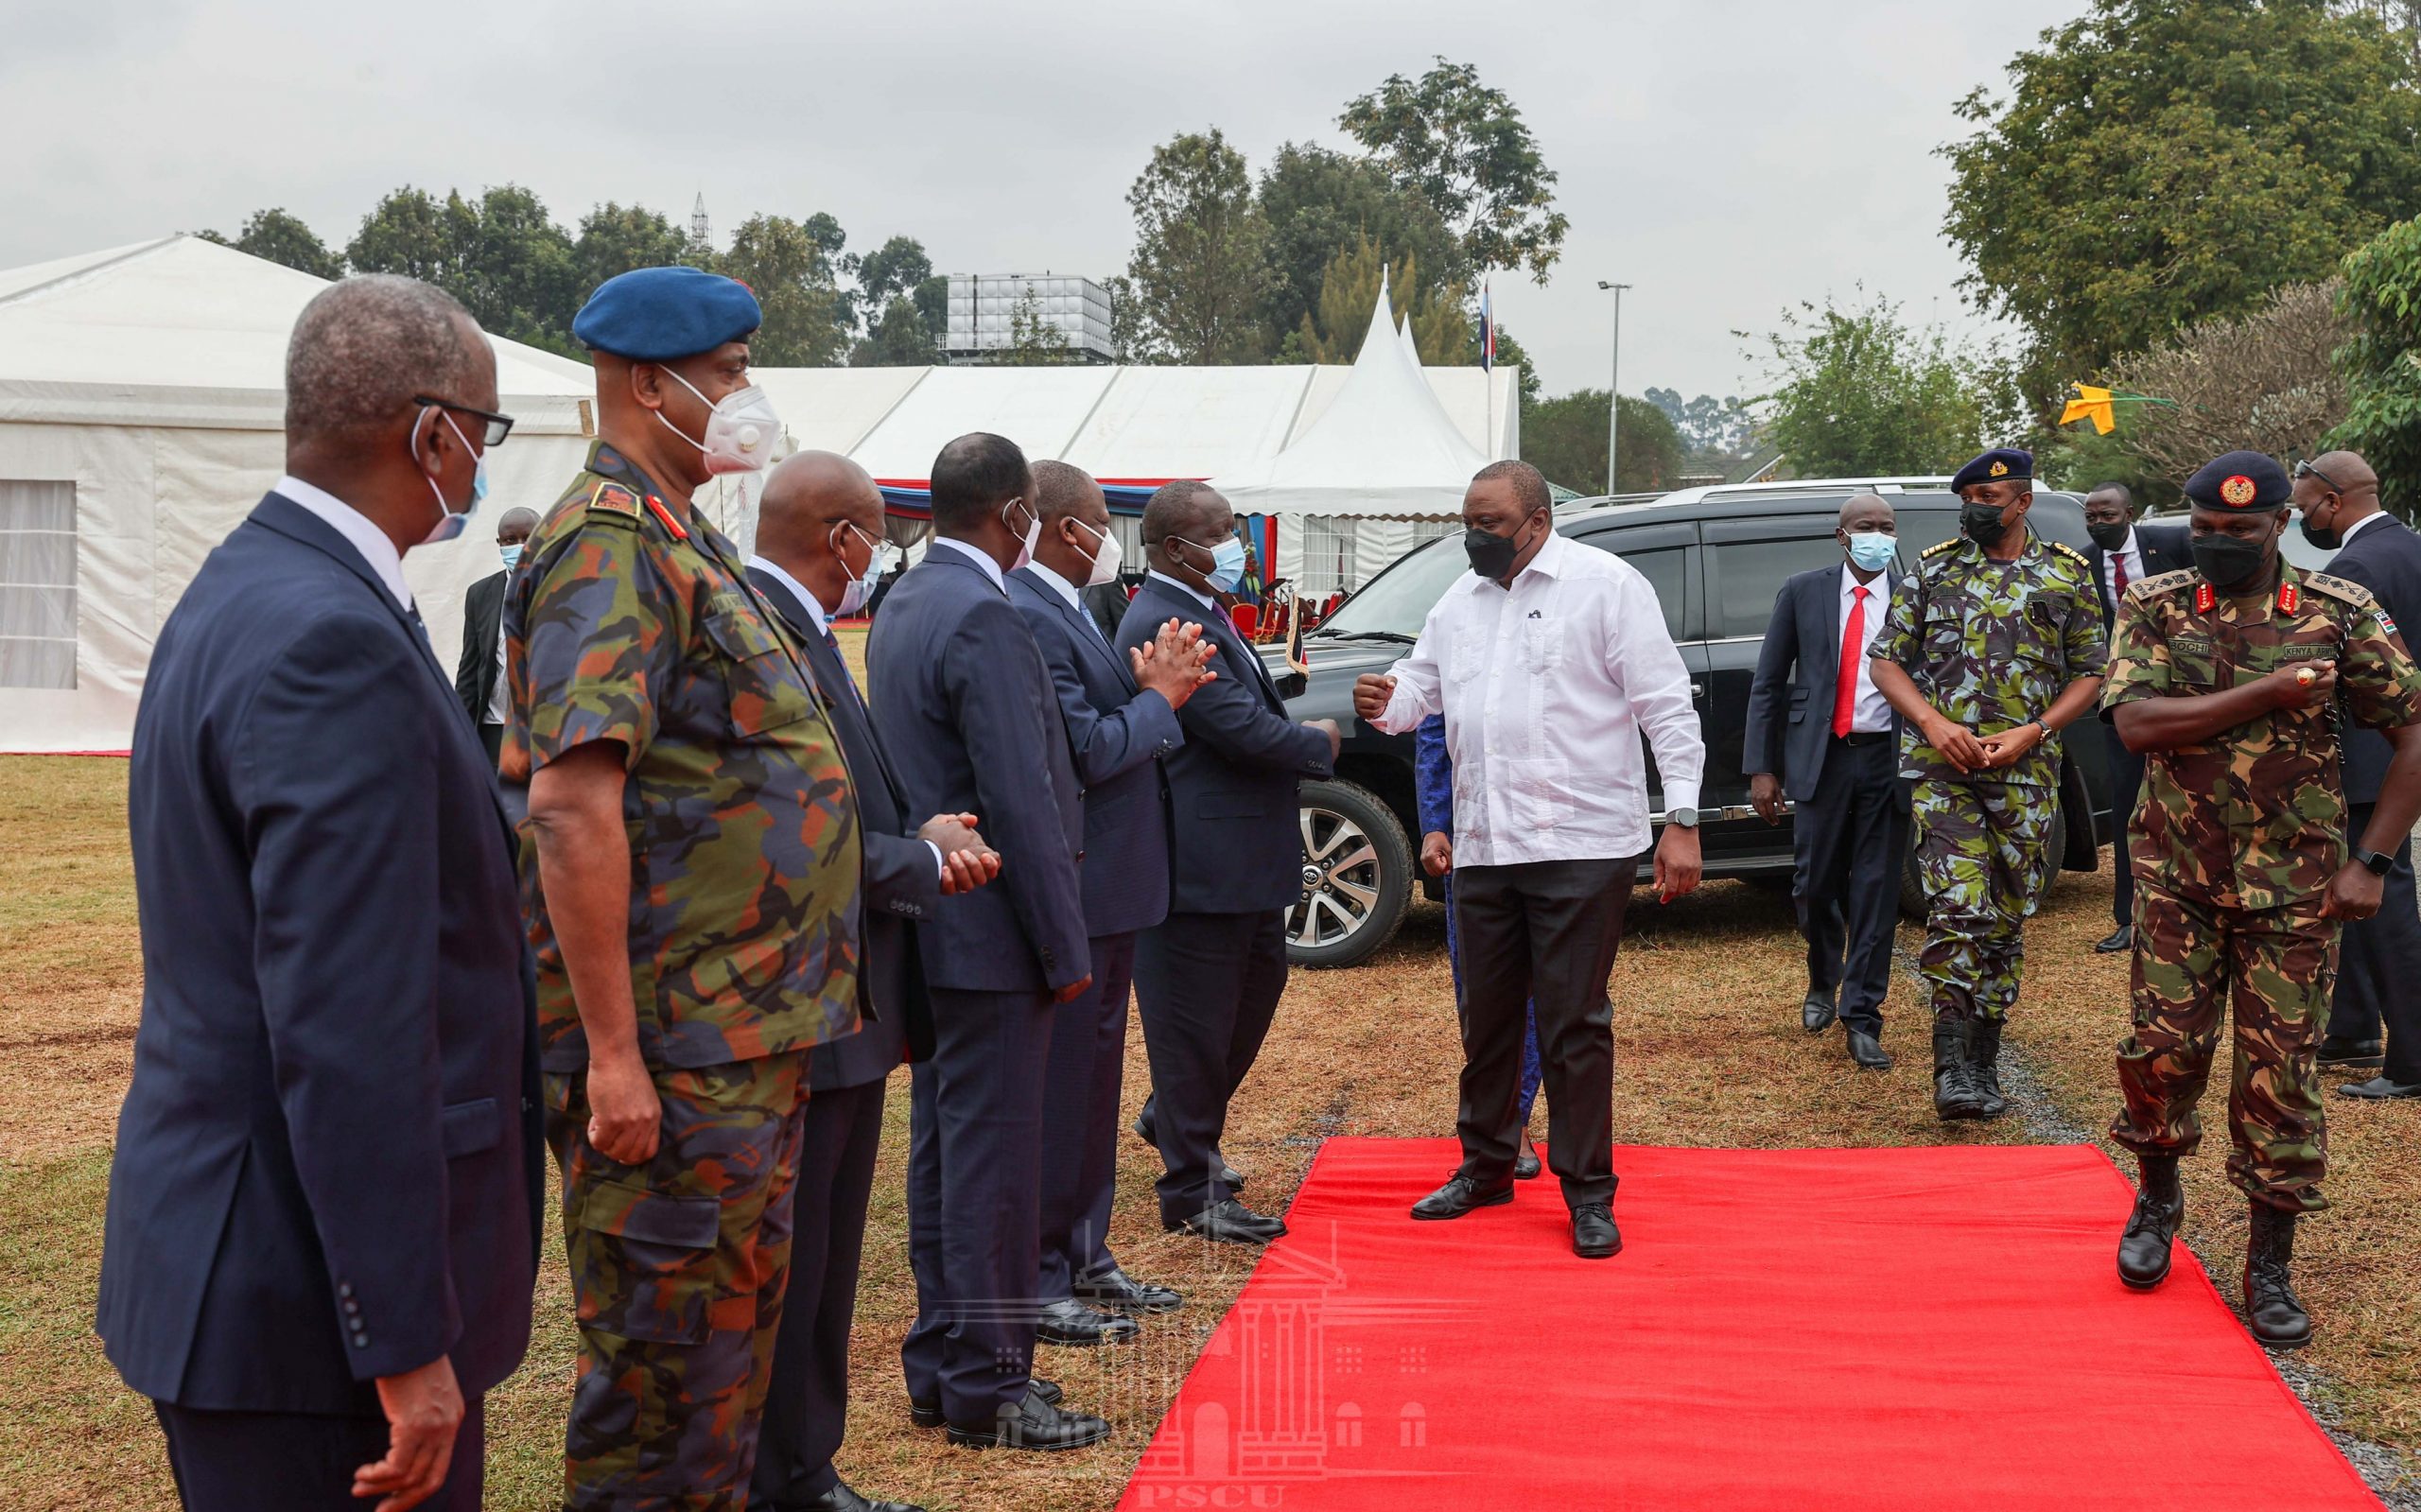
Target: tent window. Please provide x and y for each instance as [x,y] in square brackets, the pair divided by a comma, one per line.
[1327,555]
[37,584]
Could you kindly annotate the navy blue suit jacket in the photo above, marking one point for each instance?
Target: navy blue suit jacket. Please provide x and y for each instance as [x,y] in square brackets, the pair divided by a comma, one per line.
[2163,548]
[328,1165]
[901,880]
[1239,837]
[965,708]
[1798,671]
[2386,558]
[1117,735]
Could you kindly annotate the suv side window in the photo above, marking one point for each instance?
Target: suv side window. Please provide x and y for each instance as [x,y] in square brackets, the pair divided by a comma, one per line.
[1659,553]
[1749,560]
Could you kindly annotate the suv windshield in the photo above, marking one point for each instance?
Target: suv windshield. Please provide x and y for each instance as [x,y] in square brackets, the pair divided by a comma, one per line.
[1397,601]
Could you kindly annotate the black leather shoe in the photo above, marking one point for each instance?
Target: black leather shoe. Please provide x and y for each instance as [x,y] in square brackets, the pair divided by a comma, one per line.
[1867,1051]
[842,1499]
[1121,1293]
[1525,1165]
[929,1414]
[1594,1234]
[1954,1095]
[1033,1423]
[1231,1222]
[2378,1087]
[1459,1195]
[2121,938]
[2350,1055]
[1816,1013]
[1070,1322]
[2272,1311]
[1984,1068]
[1143,1129]
[2151,1228]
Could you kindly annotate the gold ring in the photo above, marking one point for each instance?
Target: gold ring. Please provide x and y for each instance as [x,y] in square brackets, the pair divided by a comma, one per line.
[2304,676]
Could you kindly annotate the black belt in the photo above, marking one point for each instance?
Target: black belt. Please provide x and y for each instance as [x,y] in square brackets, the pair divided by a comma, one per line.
[1864,736]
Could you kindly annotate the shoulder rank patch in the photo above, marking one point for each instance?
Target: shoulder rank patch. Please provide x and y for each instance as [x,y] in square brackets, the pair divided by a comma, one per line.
[1939,549]
[613,499]
[2335,588]
[2165,583]
[2072,554]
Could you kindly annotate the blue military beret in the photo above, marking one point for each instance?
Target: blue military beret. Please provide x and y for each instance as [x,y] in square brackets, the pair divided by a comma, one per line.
[660,313]
[2240,480]
[1996,466]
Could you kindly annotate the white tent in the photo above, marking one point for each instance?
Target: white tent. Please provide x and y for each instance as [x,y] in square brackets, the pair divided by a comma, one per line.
[142,415]
[1383,469]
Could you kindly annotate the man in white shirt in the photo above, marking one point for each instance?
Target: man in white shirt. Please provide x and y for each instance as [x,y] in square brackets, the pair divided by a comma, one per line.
[1548,662]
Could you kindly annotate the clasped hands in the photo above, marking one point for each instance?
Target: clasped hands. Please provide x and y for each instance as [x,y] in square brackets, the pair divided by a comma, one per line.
[1969,751]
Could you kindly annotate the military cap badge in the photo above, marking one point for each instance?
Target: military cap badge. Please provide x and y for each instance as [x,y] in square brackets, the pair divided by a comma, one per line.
[2238,491]
[1999,468]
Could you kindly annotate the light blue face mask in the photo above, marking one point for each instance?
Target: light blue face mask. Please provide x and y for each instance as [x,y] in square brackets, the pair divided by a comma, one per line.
[449,524]
[1227,563]
[1873,551]
[511,555]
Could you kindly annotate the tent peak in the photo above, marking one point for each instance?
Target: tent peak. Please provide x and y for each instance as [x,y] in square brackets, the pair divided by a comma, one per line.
[90,266]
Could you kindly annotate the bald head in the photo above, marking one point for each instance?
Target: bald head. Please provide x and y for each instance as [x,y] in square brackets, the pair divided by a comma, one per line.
[2335,490]
[515,525]
[1868,512]
[819,520]
[1183,524]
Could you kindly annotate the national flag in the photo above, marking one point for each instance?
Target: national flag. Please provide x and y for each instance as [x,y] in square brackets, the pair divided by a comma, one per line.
[1487,331]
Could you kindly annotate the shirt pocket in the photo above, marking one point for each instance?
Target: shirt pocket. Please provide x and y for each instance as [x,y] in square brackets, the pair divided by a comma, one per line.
[1541,645]
[762,691]
[1537,792]
[1466,656]
[2193,663]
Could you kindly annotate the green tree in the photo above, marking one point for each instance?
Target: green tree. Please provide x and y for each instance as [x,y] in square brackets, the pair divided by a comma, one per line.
[512,268]
[413,233]
[1035,340]
[885,300]
[616,238]
[898,338]
[1198,274]
[1565,438]
[1463,148]
[1319,205]
[2383,300]
[1510,354]
[790,270]
[284,239]
[1350,291]
[2158,162]
[1859,392]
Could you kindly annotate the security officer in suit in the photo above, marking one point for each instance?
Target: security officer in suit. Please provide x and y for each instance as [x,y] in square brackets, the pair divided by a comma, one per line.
[1814,715]
[323,1205]
[2378,964]
[820,549]
[1208,978]
[1121,711]
[2122,555]
[963,704]
[478,678]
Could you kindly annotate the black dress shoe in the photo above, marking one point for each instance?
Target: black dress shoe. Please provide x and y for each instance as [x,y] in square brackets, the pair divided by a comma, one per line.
[842,1499]
[1867,1051]
[1032,1423]
[1121,1293]
[1460,1195]
[1070,1322]
[2121,938]
[1230,1223]
[2350,1055]
[1594,1234]
[1816,1013]
[929,1414]
[2380,1087]
[1525,1165]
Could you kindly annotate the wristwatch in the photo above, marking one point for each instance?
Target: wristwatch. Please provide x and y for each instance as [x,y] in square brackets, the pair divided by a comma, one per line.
[1686,818]
[2376,862]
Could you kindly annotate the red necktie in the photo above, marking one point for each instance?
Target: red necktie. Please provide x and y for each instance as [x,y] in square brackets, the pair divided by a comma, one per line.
[2119,561]
[1852,653]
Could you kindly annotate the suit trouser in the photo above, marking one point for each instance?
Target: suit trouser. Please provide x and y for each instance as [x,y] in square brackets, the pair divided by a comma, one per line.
[974,1194]
[1850,836]
[1531,1074]
[806,1402]
[1206,987]
[1080,1122]
[2126,789]
[2378,964]
[1545,931]
[296,1462]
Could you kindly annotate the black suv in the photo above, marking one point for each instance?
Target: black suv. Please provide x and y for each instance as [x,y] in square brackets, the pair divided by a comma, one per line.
[1717,558]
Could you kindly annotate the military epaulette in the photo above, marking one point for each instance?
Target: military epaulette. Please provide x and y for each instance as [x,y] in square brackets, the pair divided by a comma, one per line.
[1939,549]
[2153,587]
[2072,554]
[612,498]
[2335,588]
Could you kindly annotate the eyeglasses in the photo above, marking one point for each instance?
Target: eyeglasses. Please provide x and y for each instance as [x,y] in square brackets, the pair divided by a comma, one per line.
[499,427]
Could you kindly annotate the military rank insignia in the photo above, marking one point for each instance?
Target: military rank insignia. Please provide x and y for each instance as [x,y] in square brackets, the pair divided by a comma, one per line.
[1999,468]
[2288,598]
[2238,491]
[2204,596]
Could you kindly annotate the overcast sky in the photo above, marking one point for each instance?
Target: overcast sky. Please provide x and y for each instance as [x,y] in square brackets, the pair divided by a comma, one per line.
[1726,157]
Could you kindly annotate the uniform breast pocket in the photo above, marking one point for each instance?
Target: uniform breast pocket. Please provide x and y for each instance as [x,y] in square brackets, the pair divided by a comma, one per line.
[2192,662]
[1541,645]
[760,681]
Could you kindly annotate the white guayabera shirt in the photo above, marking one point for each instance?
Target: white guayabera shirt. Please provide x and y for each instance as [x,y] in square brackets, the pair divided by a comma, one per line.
[1546,687]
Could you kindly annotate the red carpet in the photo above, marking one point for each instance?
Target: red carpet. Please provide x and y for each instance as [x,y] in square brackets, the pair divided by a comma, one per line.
[1806,1328]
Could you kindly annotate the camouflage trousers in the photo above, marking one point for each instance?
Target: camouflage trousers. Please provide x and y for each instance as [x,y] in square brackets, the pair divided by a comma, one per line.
[678,1268]
[2275,967]
[1982,860]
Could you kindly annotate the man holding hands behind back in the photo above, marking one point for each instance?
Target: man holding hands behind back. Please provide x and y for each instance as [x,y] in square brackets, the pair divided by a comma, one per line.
[1549,660]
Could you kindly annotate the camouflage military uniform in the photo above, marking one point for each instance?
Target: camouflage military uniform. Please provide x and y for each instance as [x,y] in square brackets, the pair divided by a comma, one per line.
[1991,645]
[625,623]
[2233,849]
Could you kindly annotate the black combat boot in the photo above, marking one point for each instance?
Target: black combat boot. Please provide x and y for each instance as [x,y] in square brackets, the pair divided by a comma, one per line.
[1984,1068]
[1954,1094]
[2271,1309]
[2151,1228]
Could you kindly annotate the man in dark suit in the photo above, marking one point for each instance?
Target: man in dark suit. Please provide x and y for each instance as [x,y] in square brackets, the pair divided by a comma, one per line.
[1208,977]
[2123,555]
[1119,708]
[324,1207]
[2378,968]
[963,705]
[819,548]
[478,677]
[1814,716]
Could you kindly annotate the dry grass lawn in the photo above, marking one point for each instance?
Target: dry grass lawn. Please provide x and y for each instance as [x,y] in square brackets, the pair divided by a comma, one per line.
[1709,1054]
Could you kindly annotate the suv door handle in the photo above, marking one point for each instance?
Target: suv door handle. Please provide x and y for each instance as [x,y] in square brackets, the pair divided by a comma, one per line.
[1698,690]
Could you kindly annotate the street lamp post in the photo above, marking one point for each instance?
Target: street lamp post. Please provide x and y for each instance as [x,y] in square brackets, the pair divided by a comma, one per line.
[1614,387]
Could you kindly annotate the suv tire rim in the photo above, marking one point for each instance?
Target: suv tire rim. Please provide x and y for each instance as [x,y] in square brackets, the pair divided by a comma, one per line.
[1340,881]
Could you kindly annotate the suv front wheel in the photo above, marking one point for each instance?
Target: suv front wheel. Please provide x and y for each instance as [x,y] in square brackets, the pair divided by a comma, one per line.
[1358,877]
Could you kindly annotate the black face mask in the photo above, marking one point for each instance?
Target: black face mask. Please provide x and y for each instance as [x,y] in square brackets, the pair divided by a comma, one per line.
[2326,540]
[2226,562]
[2108,537]
[1982,522]
[1492,554]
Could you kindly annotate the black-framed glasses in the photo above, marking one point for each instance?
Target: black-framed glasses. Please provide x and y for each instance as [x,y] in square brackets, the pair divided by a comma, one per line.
[499,427]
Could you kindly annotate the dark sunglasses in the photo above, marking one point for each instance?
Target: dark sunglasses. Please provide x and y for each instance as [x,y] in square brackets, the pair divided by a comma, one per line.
[499,427]
[2305,470]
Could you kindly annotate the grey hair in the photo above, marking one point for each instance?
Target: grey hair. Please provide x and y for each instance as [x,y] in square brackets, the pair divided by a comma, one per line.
[365,347]
[1529,486]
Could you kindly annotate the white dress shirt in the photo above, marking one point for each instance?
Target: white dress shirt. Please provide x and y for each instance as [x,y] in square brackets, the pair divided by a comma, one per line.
[2346,537]
[1871,712]
[2130,554]
[807,601]
[1547,688]
[991,568]
[385,562]
[1188,589]
[499,699]
[1061,586]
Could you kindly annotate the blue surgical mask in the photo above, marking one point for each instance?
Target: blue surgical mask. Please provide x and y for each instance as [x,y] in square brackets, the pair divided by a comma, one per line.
[449,524]
[1227,563]
[511,555]
[1873,551]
